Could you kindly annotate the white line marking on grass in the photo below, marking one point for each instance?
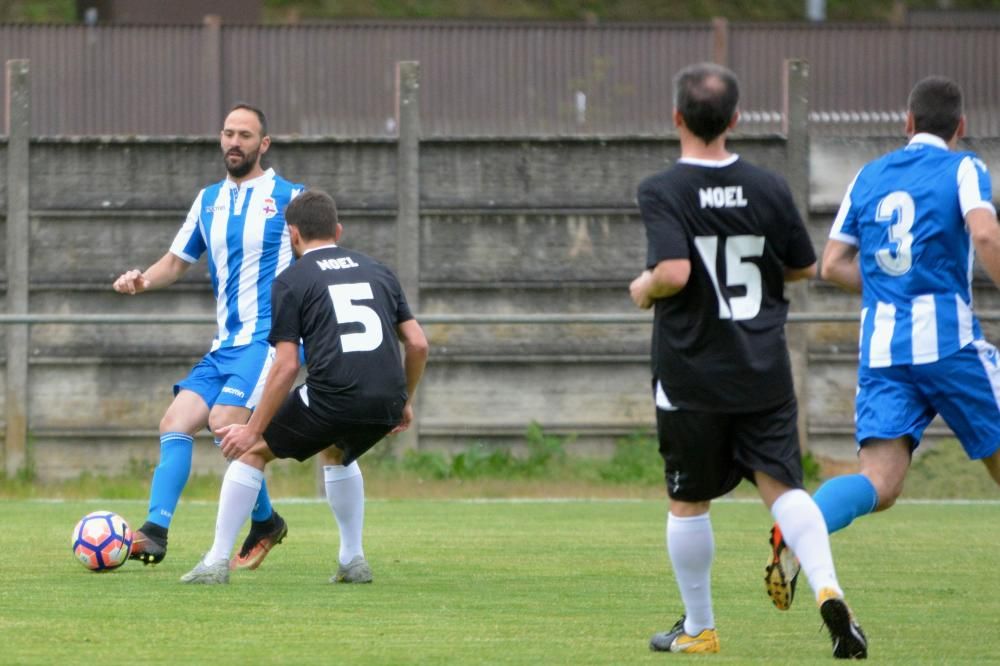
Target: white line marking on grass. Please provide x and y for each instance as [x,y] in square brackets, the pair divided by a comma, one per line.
[496,500]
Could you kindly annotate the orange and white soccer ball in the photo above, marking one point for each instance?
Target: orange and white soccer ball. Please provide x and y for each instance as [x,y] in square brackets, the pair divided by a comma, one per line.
[102,540]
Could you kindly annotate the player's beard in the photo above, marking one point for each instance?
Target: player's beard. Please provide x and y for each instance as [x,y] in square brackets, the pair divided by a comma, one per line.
[244,166]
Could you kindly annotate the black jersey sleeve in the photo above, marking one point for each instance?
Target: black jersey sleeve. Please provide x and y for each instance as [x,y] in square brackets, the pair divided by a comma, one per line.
[798,251]
[286,320]
[665,233]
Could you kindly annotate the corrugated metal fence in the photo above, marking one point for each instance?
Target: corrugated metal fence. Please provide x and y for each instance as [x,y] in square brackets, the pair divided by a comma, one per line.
[481,79]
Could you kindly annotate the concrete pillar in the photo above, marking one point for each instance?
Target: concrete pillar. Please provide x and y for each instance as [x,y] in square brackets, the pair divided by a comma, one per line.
[212,71]
[720,41]
[796,130]
[408,206]
[17,456]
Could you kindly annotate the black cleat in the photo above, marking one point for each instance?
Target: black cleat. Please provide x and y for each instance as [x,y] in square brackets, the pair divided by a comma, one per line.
[147,549]
[849,641]
[260,540]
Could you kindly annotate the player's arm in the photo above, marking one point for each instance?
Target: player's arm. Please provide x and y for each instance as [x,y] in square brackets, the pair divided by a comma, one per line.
[238,438]
[415,352]
[840,265]
[666,279]
[796,274]
[167,270]
[985,232]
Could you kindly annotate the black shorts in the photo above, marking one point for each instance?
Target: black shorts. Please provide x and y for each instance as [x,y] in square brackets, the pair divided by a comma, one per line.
[300,431]
[707,454]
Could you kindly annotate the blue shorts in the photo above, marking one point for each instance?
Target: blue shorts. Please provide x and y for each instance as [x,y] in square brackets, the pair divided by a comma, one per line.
[964,388]
[231,376]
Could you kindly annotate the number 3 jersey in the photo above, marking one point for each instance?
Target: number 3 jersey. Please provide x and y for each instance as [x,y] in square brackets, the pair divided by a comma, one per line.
[344,308]
[905,212]
[719,343]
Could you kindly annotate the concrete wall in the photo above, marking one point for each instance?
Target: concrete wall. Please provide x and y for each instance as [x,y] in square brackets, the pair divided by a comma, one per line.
[506,226]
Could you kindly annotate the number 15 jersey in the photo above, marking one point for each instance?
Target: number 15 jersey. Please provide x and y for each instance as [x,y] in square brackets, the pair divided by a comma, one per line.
[719,343]
[905,212]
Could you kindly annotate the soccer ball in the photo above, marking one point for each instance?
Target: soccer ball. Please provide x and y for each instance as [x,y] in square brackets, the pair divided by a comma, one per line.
[101,541]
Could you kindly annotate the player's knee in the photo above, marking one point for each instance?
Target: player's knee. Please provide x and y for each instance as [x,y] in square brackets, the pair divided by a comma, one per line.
[888,491]
[993,466]
[332,456]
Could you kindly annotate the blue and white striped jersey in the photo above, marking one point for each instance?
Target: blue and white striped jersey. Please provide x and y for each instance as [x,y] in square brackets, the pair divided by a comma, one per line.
[905,212]
[243,228]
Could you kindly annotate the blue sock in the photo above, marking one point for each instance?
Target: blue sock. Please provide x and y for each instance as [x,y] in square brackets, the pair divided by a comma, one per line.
[170,476]
[844,498]
[262,509]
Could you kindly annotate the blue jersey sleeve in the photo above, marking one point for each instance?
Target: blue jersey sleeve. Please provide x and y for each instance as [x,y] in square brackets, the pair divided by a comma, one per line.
[189,243]
[845,225]
[974,187]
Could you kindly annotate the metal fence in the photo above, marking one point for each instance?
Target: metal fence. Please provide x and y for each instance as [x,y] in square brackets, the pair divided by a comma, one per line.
[482,79]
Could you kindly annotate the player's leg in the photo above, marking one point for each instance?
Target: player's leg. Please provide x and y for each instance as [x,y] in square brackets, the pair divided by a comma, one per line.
[768,444]
[891,415]
[697,468]
[345,493]
[244,370]
[240,487]
[966,391]
[185,416]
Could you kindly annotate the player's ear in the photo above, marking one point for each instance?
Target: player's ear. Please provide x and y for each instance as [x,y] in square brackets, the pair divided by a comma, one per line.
[911,124]
[960,130]
[265,144]
[735,119]
[294,236]
[678,119]
[337,231]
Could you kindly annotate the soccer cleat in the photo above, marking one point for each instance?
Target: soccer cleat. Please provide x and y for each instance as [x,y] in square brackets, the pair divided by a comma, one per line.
[781,572]
[259,543]
[676,640]
[208,574]
[147,549]
[849,641]
[355,571]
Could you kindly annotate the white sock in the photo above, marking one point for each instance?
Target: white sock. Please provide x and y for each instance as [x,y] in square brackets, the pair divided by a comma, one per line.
[691,546]
[804,530]
[345,492]
[239,491]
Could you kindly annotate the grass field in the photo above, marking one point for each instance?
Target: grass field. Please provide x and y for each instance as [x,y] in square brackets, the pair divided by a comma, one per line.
[505,582]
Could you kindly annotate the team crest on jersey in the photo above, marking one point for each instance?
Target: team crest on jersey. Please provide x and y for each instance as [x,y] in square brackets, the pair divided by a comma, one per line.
[270,208]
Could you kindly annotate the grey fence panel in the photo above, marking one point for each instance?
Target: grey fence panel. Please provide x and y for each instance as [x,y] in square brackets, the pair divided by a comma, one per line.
[481,79]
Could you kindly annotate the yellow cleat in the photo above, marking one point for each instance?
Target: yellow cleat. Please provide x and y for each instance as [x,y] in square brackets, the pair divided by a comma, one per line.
[677,640]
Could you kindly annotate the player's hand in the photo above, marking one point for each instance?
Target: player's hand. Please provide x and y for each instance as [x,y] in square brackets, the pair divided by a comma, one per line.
[237,439]
[639,290]
[407,420]
[131,282]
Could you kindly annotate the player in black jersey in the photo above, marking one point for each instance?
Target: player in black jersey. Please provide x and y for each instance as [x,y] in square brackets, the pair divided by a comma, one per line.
[348,311]
[723,238]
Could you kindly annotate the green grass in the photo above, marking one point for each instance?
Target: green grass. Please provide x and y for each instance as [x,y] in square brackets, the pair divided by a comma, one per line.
[460,582]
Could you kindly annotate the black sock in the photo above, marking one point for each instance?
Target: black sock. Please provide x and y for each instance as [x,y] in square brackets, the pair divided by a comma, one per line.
[264,525]
[155,532]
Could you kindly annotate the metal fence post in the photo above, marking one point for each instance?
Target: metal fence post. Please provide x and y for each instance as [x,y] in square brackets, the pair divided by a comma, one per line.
[17,456]
[795,126]
[408,206]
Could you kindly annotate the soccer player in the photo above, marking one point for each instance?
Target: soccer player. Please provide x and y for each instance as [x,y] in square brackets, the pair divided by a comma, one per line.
[239,223]
[348,311]
[905,238]
[723,238]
